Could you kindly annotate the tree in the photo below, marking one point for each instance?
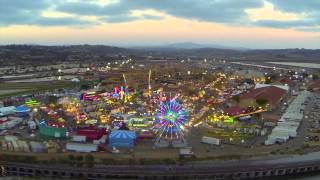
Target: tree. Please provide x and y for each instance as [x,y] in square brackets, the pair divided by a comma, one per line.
[236,98]
[261,101]
[79,158]
[71,157]
[89,160]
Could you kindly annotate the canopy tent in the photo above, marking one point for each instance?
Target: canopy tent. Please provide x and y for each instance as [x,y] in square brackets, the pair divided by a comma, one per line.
[4,111]
[22,110]
[122,139]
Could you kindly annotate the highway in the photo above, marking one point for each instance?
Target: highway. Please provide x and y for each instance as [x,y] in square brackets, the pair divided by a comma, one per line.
[233,169]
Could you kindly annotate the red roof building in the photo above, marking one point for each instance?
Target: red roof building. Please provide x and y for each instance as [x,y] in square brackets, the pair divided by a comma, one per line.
[233,111]
[315,86]
[272,94]
[284,81]
[91,133]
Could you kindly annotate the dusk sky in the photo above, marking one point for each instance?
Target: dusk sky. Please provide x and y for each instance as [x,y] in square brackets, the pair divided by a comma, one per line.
[236,23]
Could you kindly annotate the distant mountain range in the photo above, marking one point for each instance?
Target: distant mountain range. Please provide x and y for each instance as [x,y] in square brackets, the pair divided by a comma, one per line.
[188,45]
[28,53]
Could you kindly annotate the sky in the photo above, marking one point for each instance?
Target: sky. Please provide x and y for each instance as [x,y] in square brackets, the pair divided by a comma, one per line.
[237,23]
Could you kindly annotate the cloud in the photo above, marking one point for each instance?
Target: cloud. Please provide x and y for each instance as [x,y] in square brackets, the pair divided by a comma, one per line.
[309,9]
[28,12]
[285,24]
[300,6]
[202,10]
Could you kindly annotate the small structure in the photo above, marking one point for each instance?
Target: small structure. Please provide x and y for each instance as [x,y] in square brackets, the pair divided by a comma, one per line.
[78,138]
[52,132]
[137,122]
[79,147]
[186,152]
[284,87]
[32,125]
[37,147]
[10,123]
[22,111]
[76,80]
[91,133]
[122,139]
[4,111]
[210,140]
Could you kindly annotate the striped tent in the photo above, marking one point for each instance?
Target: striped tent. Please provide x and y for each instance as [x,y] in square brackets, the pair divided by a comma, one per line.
[122,139]
[22,110]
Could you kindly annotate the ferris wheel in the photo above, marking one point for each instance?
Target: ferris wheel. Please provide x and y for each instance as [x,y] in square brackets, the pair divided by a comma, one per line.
[170,120]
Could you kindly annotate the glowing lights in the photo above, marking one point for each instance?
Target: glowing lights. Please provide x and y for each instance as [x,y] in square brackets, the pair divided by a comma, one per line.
[170,120]
[91,96]
[137,122]
[221,118]
[104,119]
[31,103]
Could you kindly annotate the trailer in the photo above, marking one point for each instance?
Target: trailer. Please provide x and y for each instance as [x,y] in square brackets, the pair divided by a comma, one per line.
[37,147]
[77,138]
[78,147]
[210,140]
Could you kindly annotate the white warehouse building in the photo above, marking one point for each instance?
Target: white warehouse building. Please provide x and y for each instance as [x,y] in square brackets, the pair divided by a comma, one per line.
[289,123]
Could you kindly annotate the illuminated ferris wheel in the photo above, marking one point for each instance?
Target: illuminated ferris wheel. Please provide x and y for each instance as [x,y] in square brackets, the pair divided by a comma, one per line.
[170,120]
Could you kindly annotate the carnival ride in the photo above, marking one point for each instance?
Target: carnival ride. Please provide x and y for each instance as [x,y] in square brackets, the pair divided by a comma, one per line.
[170,123]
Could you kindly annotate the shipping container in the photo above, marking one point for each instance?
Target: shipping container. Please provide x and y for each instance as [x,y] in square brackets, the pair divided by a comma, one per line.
[78,147]
[210,140]
[77,138]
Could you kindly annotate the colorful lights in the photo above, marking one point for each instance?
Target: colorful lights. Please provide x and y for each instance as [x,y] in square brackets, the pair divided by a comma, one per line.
[170,120]
[221,118]
[91,96]
[31,103]
[137,122]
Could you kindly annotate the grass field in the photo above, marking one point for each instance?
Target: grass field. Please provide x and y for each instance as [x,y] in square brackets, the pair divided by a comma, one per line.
[11,89]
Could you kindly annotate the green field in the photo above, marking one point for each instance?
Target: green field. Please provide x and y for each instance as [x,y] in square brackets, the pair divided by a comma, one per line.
[11,89]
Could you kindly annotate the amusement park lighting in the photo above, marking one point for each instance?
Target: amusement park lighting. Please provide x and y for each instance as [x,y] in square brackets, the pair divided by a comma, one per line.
[171,117]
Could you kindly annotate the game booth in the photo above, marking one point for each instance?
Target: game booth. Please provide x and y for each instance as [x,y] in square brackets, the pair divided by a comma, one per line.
[52,130]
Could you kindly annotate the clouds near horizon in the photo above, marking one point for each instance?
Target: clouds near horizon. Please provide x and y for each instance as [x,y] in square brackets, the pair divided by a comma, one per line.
[75,12]
[241,23]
